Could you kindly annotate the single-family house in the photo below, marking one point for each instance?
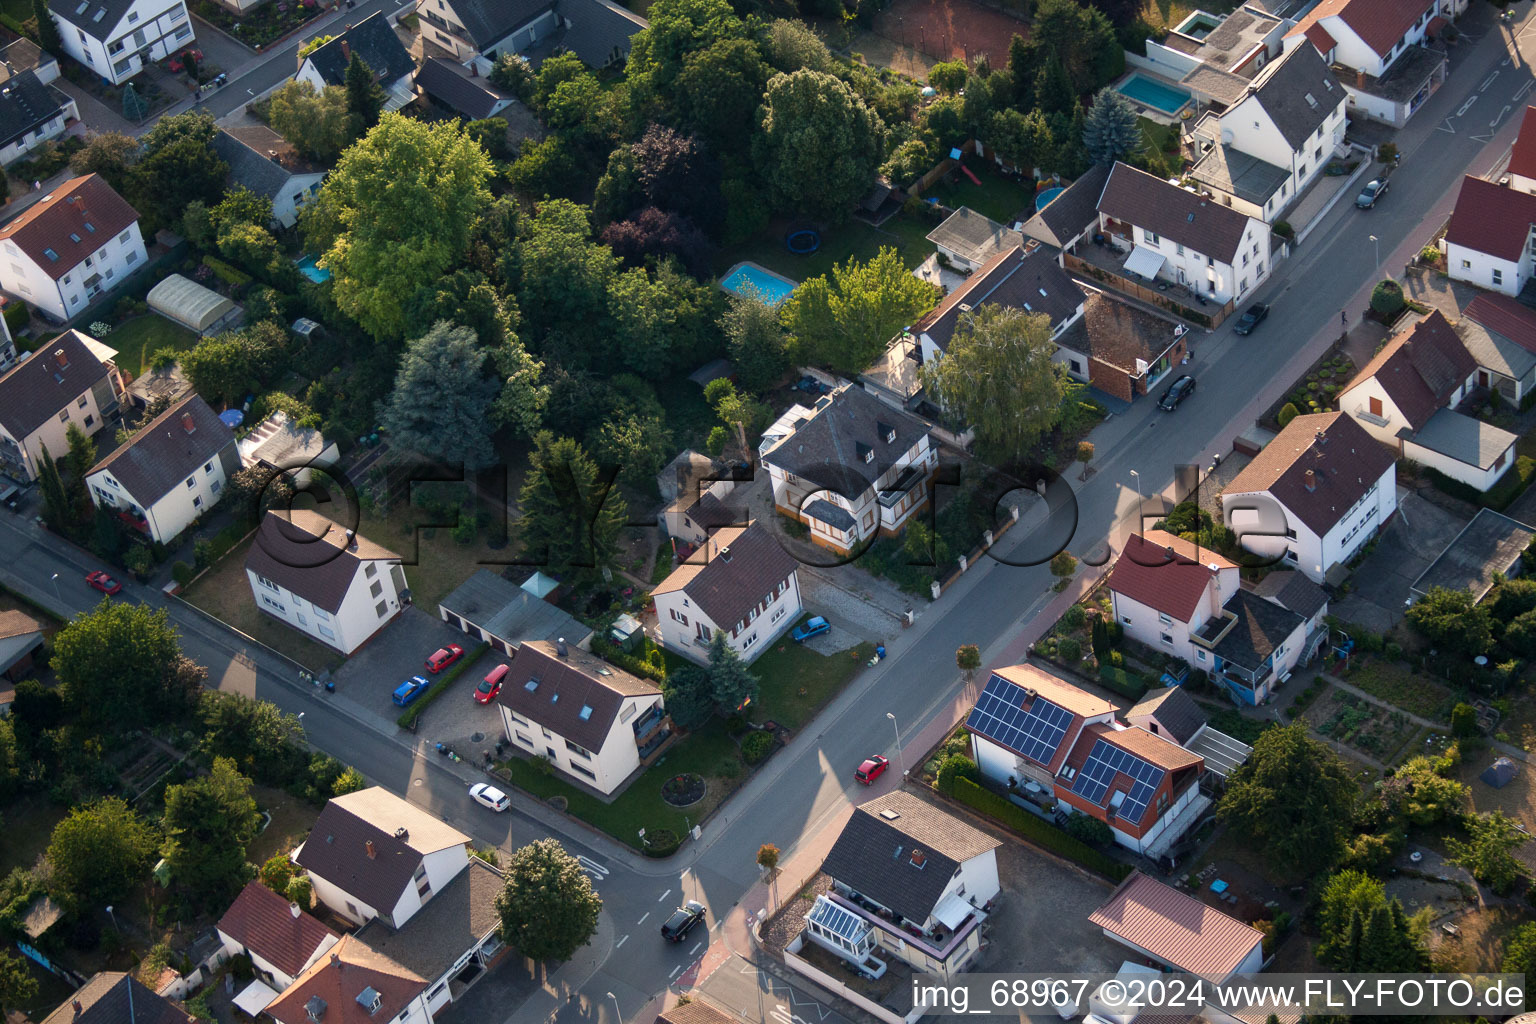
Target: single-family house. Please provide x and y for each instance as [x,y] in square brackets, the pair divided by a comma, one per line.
[692,523]
[1522,158]
[739,582]
[373,39]
[21,637]
[1071,215]
[853,469]
[1488,548]
[1265,148]
[595,722]
[330,583]
[282,940]
[1314,495]
[170,473]
[1500,333]
[354,984]
[112,997]
[374,854]
[72,379]
[911,879]
[494,609]
[1021,276]
[1179,931]
[1121,349]
[115,39]
[1179,236]
[449,85]
[1025,723]
[479,31]
[71,246]
[970,240]
[597,31]
[1488,241]
[1378,48]
[25,55]
[1405,397]
[265,163]
[31,112]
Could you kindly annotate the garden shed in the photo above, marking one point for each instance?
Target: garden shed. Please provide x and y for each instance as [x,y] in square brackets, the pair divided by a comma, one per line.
[188,303]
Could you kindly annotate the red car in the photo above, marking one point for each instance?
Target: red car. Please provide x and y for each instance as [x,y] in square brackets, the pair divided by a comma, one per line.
[102,582]
[443,657]
[177,63]
[871,769]
[490,686]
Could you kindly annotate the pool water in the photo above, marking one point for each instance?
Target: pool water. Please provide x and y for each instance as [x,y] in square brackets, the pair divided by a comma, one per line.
[307,267]
[745,278]
[1159,97]
[1044,198]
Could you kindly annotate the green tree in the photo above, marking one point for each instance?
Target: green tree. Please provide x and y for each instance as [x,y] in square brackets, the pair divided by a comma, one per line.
[316,123]
[791,45]
[688,697]
[442,398]
[208,822]
[756,341]
[1450,619]
[1387,297]
[109,154]
[547,906]
[1063,565]
[349,781]
[955,766]
[17,986]
[718,90]
[1519,954]
[738,411]
[998,377]
[677,28]
[1428,796]
[1293,796]
[261,738]
[819,144]
[565,278]
[571,517]
[1087,829]
[1054,91]
[948,76]
[119,667]
[365,99]
[1111,131]
[731,683]
[397,211]
[134,107]
[1349,895]
[99,854]
[1388,944]
[1085,455]
[1022,139]
[276,873]
[1464,720]
[58,511]
[968,660]
[231,365]
[1488,851]
[241,206]
[47,36]
[169,177]
[301,891]
[845,321]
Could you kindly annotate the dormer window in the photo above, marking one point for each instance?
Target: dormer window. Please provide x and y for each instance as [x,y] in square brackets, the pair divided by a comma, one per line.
[586,712]
[370,1000]
[531,685]
[865,452]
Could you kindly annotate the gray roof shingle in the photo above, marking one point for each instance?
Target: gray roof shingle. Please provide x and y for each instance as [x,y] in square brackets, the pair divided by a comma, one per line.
[1176,214]
[39,386]
[731,572]
[455,920]
[1013,279]
[490,21]
[105,999]
[1464,438]
[170,448]
[95,18]
[1261,627]
[576,695]
[826,449]
[510,613]
[1071,213]
[309,555]
[25,104]
[600,30]
[375,42]
[1175,710]
[1299,92]
[874,853]
[1490,544]
[1291,589]
[474,98]
[256,171]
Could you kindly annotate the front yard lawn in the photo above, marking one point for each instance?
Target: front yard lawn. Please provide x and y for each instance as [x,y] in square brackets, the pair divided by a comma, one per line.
[1398,684]
[137,341]
[796,680]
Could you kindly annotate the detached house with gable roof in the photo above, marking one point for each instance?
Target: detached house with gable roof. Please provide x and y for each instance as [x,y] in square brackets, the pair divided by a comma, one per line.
[1178,236]
[374,40]
[593,721]
[112,997]
[1405,397]
[31,112]
[328,582]
[72,379]
[264,162]
[1500,332]
[1378,48]
[1025,722]
[76,243]
[739,582]
[117,38]
[1176,929]
[170,473]
[854,468]
[281,939]
[1491,238]
[477,32]
[1314,495]
[354,984]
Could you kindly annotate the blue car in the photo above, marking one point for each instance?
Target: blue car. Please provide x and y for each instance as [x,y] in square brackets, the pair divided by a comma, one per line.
[410,690]
[814,626]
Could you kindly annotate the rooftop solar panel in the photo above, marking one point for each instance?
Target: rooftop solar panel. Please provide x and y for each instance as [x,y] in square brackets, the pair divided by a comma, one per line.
[1106,762]
[837,920]
[1034,733]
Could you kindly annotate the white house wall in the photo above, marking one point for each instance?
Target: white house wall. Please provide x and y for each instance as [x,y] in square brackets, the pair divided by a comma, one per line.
[353,623]
[753,639]
[340,901]
[52,128]
[69,295]
[1472,476]
[609,767]
[1485,271]
[296,194]
[155,26]
[442,866]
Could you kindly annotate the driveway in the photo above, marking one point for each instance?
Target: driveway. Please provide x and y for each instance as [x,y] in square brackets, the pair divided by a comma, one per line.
[1412,540]
[398,652]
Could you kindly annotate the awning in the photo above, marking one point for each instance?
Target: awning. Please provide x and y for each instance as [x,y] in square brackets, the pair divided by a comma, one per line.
[952,911]
[254,998]
[1144,262]
[1435,27]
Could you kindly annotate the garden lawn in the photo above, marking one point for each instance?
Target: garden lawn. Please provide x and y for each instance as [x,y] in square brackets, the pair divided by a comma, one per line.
[709,752]
[137,341]
[21,10]
[852,240]
[434,563]
[998,197]
[796,680]
[1396,683]
[1160,137]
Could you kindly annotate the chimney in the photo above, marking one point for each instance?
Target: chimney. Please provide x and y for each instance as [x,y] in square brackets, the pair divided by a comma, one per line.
[78,1008]
[1311,480]
[293,908]
[346,51]
[60,358]
[188,423]
[368,845]
[1359,79]
[560,647]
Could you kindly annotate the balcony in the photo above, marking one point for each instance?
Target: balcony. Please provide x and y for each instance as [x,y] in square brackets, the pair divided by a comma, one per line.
[1365,415]
[1213,629]
[911,476]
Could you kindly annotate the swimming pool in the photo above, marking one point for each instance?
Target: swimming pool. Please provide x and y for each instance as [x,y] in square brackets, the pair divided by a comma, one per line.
[747,278]
[1044,198]
[307,267]
[1165,99]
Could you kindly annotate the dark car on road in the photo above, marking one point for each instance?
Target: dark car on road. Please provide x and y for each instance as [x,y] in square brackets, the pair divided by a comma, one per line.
[682,921]
[1374,190]
[1176,393]
[1251,318]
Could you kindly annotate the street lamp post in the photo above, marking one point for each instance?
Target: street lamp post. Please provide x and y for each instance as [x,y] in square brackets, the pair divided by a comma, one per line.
[61,601]
[113,916]
[901,761]
[1137,477]
[616,1009]
[1377,242]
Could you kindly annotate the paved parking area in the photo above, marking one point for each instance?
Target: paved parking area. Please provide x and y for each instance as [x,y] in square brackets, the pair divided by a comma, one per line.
[1413,539]
[859,606]
[399,651]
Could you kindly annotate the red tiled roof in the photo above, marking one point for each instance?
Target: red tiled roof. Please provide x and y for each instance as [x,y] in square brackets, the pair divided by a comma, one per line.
[1420,369]
[1380,24]
[269,926]
[1058,691]
[1321,38]
[1504,315]
[338,978]
[74,220]
[1491,219]
[1155,749]
[1175,927]
[1145,573]
[1522,159]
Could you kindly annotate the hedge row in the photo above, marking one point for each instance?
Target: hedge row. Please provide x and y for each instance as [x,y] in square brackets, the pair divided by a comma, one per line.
[1127,684]
[1498,497]
[410,714]
[1038,831]
[226,273]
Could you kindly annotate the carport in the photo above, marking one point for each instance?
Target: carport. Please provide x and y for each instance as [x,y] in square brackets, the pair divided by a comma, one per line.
[184,301]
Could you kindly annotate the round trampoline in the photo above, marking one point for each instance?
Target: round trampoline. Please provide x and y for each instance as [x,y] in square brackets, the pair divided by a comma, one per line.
[802,242]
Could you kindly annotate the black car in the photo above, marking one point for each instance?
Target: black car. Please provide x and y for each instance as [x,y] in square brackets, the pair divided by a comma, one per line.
[1176,393]
[682,921]
[1373,191]
[1250,318]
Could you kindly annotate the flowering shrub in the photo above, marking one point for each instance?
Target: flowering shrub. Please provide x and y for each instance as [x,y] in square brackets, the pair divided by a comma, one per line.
[100,329]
